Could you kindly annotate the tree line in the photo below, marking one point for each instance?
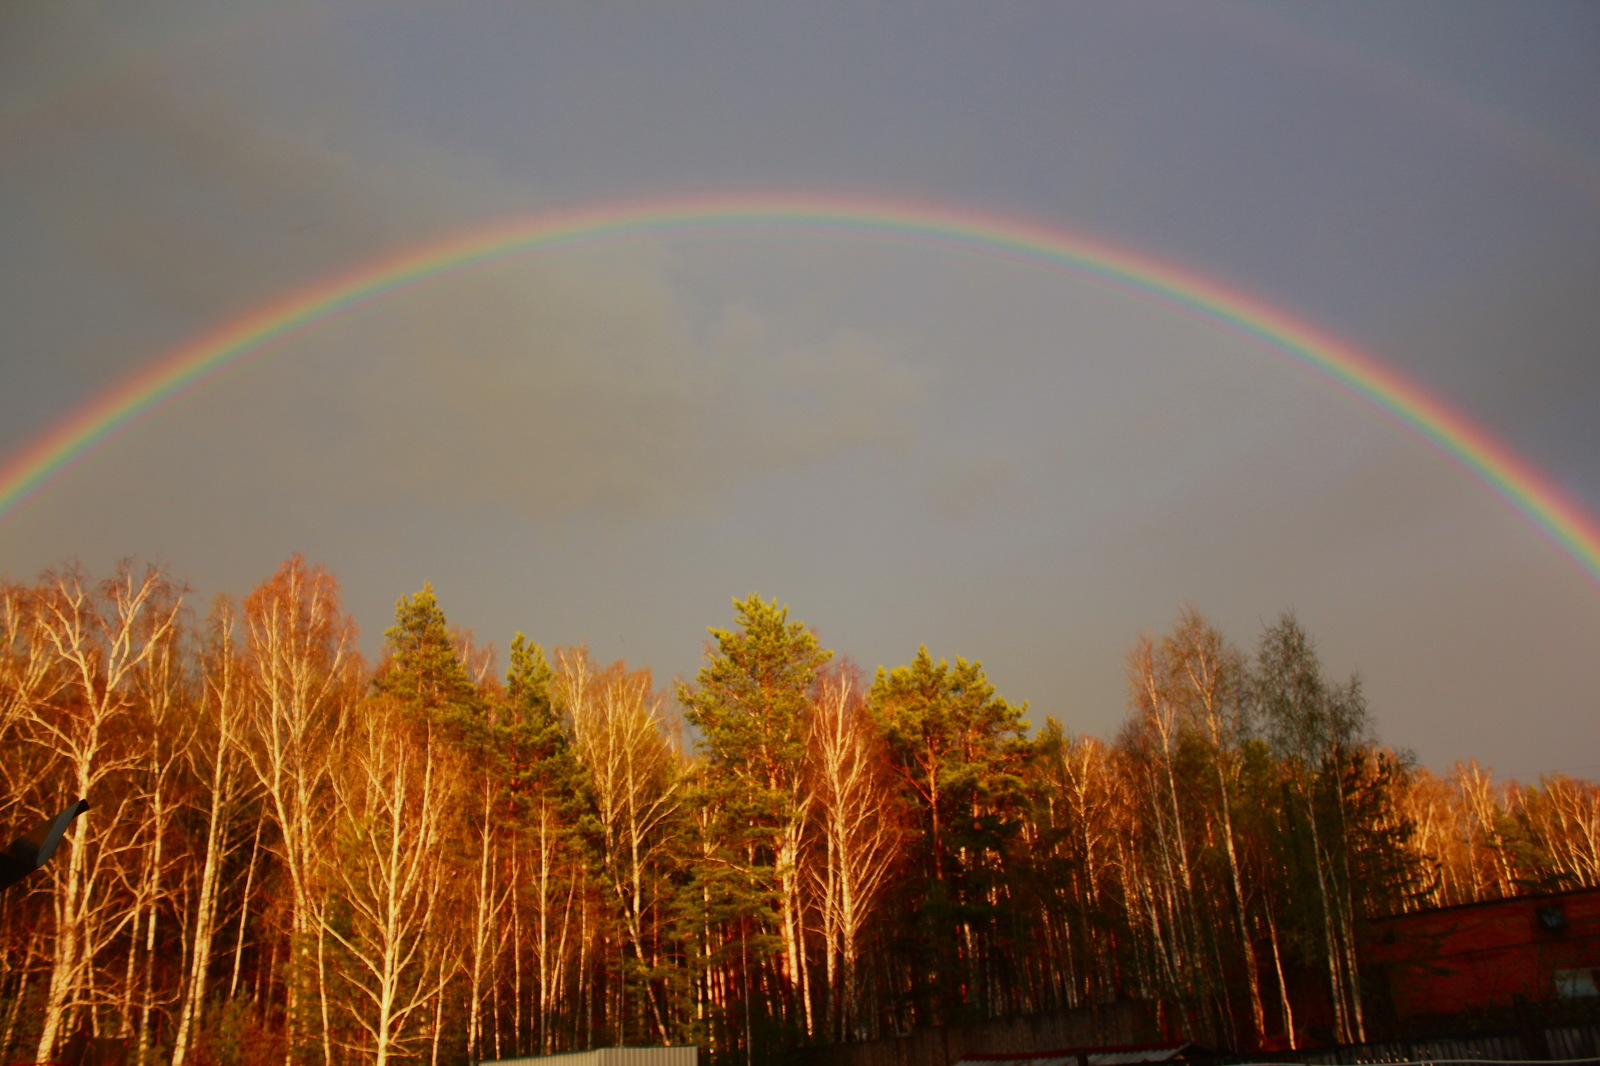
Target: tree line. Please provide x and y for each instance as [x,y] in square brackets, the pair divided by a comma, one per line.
[295,856]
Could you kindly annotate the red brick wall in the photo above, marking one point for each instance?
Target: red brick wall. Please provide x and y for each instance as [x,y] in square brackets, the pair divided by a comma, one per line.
[1481,955]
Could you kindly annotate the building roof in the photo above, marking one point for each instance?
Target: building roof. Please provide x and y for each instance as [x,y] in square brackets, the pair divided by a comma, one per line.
[1487,904]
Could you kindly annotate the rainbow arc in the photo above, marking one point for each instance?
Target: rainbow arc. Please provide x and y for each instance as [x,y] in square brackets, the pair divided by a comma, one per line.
[187,368]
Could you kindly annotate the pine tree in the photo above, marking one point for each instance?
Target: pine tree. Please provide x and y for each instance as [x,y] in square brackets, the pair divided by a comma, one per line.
[751,700]
[529,740]
[960,750]
[545,782]
[751,703]
[422,671]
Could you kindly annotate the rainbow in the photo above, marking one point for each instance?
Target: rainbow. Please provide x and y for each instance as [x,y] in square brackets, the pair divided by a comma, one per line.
[186,368]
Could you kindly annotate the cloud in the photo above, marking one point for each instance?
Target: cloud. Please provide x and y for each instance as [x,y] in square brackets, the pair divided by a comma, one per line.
[585,380]
[186,185]
[973,486]
[590,383]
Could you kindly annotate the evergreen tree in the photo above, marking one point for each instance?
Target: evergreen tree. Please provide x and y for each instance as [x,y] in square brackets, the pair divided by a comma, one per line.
[752,695]
[957,746]
[751,704]
[528,733]
[960,751]
[422,671]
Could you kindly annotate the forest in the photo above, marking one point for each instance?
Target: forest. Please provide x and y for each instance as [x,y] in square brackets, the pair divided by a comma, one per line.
[297,856]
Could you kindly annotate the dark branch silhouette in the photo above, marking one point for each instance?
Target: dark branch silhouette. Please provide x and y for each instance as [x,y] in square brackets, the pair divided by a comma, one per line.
[33,849]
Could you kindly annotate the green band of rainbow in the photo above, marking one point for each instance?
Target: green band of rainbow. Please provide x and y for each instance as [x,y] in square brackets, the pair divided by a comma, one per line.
[170,376]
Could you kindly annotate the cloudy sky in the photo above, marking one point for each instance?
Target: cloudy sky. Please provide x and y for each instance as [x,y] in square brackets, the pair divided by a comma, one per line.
[905,442]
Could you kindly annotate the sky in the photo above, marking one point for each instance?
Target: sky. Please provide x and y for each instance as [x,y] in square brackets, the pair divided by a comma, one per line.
[907,441]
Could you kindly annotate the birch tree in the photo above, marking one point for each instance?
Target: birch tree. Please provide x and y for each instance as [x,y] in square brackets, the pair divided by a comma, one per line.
[861,837]
[1208,675]
[634,779]
[425,678]
[1311,727]
[1560,822]
[30,677]
[300,671]
[388,877]
[1080,817]
[1150,741]
[100,636]
[217,759]
[165,723]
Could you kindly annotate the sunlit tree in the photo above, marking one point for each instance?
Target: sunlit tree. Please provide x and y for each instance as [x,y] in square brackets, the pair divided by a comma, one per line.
[860,837]
[101,636]
[634,779]
[958,751]
[302,676]
[750,702]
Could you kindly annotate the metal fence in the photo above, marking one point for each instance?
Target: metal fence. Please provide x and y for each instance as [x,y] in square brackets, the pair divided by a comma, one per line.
[1126,1022]
[1575,1044]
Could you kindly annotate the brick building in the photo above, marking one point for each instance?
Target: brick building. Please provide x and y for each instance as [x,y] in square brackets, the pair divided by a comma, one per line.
[1499,955]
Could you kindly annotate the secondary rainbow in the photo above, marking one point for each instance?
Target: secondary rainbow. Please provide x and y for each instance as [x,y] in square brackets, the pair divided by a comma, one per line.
[181,371]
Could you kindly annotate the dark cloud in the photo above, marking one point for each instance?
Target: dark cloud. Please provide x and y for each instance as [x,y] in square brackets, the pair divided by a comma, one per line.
[561,388]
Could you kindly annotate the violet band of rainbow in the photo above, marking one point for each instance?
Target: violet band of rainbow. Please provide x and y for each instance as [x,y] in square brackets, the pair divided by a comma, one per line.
[187,367]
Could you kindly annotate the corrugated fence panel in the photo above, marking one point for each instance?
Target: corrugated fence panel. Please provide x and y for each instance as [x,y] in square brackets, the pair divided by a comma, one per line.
[649,1056]
[611,1056]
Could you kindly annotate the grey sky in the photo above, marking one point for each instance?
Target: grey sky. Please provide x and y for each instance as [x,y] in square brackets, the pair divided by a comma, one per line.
[906,444]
